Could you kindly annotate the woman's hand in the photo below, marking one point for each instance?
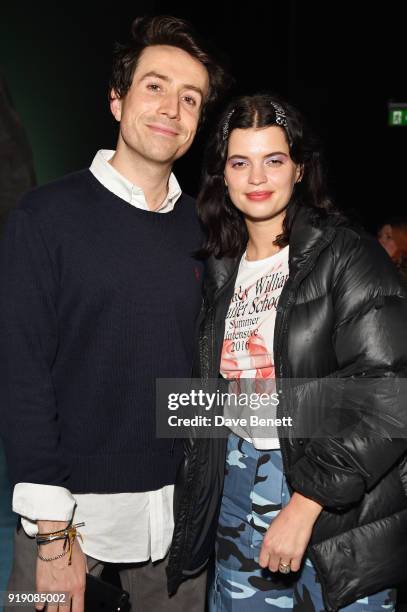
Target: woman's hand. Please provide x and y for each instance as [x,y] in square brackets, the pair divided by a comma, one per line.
[287,537]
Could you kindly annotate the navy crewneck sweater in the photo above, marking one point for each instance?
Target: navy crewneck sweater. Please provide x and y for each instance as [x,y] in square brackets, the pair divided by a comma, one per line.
[98,299]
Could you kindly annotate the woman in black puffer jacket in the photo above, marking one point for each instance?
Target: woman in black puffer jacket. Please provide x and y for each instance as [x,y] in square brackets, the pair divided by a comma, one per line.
[315,516]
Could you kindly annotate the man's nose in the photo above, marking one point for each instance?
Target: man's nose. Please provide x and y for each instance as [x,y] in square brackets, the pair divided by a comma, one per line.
[170,106]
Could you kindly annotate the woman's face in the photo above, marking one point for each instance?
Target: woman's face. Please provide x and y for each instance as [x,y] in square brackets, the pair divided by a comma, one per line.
[259,172]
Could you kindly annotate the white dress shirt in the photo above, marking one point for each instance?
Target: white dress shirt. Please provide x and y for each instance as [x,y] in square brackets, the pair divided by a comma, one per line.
[119,527]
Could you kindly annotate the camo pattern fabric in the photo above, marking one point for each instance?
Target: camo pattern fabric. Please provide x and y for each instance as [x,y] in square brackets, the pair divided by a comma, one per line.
[255,490]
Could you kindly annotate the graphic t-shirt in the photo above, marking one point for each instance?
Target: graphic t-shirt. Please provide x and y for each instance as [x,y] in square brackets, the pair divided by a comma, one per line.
[247,351]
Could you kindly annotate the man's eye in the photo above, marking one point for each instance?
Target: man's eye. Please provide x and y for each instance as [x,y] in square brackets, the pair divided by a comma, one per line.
[153,87]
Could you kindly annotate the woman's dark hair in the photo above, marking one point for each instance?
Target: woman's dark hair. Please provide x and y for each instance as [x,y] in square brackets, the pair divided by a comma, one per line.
[224,223]
[165,30]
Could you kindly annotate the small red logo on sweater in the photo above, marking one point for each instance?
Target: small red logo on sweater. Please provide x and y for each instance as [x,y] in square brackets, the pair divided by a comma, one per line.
[197,273]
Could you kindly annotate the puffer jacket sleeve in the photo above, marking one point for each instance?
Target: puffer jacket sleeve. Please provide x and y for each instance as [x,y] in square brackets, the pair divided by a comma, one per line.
[370,342]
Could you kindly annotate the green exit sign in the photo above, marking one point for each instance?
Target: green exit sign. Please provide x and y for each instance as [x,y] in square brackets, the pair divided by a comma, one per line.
[397,114]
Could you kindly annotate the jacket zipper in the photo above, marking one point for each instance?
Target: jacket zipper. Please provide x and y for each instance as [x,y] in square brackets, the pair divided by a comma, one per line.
[211,313]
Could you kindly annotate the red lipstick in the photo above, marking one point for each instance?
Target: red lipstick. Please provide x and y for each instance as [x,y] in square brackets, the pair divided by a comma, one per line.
[258,196]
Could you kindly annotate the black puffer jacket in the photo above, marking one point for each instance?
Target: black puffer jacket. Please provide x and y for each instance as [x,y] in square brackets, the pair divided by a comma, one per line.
[343,314]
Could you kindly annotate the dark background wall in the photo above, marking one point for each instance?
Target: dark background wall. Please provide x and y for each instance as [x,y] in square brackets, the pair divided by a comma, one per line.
[340,62]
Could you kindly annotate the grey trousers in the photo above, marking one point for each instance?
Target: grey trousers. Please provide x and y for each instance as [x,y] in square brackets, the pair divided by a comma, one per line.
[146,582]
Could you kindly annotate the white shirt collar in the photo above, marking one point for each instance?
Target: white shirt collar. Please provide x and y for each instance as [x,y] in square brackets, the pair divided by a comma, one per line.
[123,188]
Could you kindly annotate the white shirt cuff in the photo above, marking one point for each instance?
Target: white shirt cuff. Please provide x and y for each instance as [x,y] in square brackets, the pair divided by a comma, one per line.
[38,502]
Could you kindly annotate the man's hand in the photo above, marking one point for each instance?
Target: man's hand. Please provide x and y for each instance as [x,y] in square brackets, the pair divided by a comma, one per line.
[58,576]
[288,535]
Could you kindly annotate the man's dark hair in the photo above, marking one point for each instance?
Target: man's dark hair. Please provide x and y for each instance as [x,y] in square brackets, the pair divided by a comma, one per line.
[165,30]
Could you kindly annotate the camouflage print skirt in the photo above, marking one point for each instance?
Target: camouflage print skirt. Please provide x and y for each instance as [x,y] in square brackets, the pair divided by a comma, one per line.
[255,491]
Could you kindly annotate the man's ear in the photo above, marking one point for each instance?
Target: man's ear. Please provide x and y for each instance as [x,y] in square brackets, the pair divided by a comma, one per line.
[115,105]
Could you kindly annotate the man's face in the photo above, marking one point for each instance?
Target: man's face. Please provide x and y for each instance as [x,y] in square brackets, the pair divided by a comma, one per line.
[386,239]
[159,114]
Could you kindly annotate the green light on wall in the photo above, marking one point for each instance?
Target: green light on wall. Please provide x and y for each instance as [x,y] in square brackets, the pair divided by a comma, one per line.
[397,114]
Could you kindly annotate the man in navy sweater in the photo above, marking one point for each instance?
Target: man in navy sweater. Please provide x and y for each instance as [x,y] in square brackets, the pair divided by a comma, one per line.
[99,297]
